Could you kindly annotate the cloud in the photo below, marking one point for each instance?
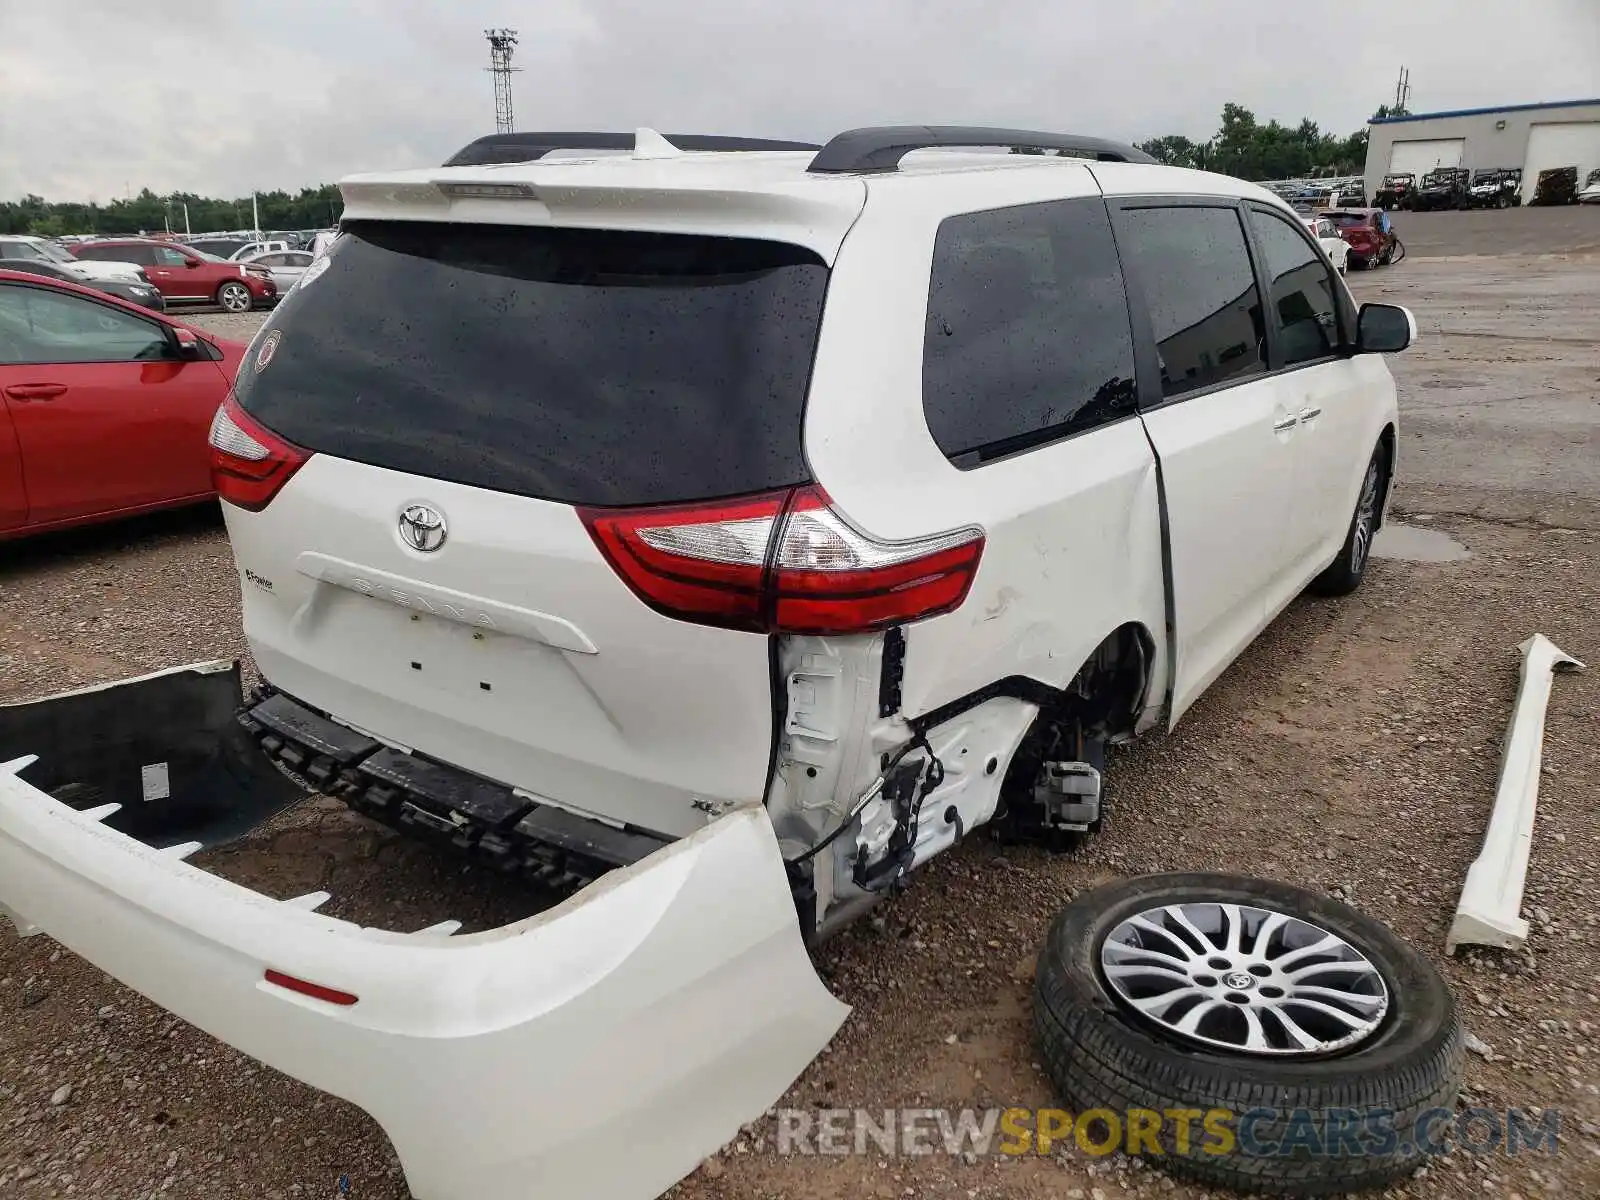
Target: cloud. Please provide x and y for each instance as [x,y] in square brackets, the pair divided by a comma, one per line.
[98,95]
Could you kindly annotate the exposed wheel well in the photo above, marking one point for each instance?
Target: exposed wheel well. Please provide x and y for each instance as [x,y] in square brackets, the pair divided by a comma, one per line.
[1100,704]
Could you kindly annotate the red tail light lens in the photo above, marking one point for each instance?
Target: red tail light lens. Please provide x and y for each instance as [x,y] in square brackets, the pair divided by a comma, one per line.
[249,463]
[305,987]
[782,562]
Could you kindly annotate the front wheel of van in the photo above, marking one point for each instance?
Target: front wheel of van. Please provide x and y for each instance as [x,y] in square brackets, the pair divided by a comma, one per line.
[1347,571]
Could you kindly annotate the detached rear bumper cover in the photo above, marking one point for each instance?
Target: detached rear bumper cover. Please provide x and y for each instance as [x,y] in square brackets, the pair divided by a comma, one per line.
[599,1049]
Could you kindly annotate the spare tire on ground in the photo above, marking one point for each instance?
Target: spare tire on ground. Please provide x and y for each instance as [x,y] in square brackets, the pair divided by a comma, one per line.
[1247,1033]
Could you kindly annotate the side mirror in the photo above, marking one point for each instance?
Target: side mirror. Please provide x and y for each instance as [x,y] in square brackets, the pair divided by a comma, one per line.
[1384,329]
[191,263]
[187,343]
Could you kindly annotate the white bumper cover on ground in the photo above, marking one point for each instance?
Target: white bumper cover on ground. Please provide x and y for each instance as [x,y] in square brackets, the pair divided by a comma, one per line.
[600,1049]
[1489,913]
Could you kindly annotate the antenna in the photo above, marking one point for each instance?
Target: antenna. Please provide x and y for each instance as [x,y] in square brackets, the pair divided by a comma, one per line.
[501,43]
[1402,92]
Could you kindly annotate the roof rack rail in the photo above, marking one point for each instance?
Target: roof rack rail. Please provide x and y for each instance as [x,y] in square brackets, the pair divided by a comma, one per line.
[527,147]
[880,148]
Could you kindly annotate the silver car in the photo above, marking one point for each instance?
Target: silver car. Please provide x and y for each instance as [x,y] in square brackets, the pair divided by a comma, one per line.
[285,266]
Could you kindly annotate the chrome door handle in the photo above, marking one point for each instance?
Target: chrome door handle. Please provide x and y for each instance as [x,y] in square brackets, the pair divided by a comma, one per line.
[1283,423]
[1307,414]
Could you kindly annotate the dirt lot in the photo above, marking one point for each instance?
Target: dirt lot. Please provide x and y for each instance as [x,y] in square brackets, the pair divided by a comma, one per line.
[1353,749]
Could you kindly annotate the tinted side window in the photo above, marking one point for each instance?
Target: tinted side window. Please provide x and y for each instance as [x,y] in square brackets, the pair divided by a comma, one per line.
[1305,307]
[1193,265]
[40,325]
[125,254]
[1027,335]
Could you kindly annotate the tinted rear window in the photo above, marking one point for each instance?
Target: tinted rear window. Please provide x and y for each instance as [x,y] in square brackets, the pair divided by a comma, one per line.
[581,366]
[1027,336]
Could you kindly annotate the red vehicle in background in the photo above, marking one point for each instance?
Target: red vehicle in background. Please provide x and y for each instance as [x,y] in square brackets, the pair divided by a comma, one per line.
[185,275]
[1370,234]
[105,407]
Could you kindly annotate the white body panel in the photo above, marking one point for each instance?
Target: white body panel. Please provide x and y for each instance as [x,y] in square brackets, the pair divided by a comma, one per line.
[602,1048]
[1418,158]
[1561,144]
[1489,912]
[1343,407]
[1261,476]
[1084,509]
[1230,483]
[595,702]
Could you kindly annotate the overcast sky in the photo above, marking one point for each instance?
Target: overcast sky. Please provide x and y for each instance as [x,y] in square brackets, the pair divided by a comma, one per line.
[217,98]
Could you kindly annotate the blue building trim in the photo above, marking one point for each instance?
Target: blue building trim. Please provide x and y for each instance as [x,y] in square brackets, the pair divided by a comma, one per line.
[1480,112]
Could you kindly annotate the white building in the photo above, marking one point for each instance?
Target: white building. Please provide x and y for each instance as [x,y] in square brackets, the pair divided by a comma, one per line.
[1534,137]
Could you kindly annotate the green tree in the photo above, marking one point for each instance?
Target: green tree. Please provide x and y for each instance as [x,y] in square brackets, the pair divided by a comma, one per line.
[310,208]
[1173,149]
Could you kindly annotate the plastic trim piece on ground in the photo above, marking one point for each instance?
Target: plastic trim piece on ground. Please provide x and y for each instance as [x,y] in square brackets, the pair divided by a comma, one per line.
[1489,913]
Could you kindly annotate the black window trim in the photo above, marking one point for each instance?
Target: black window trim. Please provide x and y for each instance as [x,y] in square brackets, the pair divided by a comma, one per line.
[1008,448]
[1147,363]
[165,330]
[1275,352]
[1146,356]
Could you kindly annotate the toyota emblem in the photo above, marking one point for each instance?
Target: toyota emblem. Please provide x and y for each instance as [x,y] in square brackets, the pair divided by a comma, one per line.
[422,527]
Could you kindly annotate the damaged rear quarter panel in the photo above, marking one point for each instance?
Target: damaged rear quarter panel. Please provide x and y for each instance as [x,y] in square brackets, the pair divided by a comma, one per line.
[1072,529]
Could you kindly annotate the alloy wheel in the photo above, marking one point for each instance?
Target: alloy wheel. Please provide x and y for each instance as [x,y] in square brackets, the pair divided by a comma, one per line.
[1245,979]
[1366,519]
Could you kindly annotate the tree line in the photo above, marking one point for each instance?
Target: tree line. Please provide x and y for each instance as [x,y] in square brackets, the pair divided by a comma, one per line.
[1242,147]
[1247,149]
[310,208]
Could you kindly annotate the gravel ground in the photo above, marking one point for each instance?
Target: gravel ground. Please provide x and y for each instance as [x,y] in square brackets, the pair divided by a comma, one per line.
[1354,749]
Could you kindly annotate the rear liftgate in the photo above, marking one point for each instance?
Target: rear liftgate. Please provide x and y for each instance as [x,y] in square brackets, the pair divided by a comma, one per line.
[603,1047]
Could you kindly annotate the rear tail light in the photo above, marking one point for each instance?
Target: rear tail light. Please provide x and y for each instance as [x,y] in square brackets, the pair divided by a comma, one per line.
[249,463]
[782,562]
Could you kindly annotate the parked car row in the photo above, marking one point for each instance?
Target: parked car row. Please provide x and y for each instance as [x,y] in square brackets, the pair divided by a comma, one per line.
[238,244]
[1308,194]
[16,248]
[185,275]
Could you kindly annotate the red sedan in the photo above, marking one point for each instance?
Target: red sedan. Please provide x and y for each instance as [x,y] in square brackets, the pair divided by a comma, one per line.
[104,407]
[1373,241]
[186,276]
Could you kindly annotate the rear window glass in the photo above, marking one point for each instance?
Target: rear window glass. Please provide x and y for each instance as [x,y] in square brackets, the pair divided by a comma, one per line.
[1027,337]
[581,366]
